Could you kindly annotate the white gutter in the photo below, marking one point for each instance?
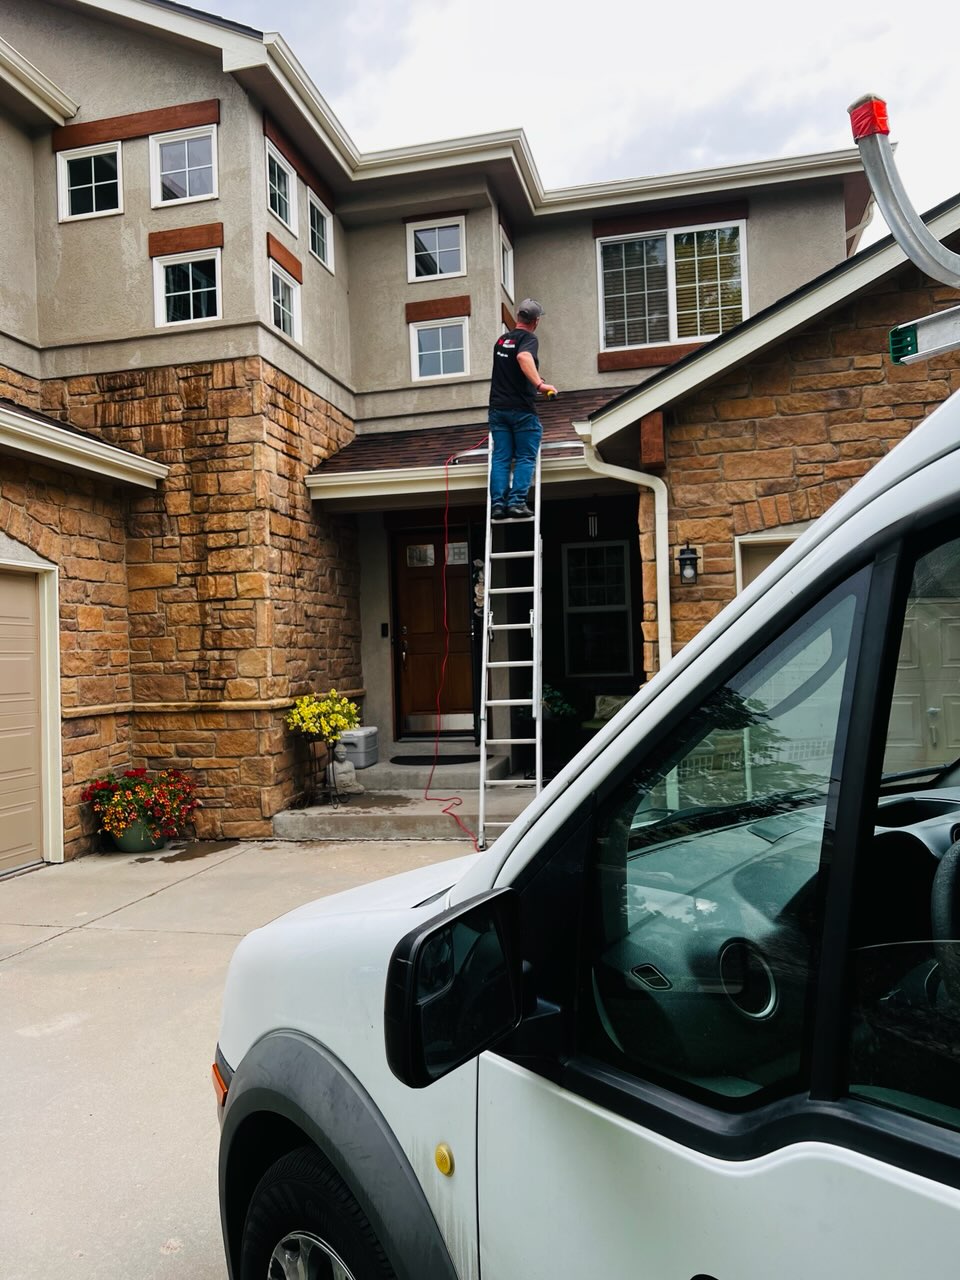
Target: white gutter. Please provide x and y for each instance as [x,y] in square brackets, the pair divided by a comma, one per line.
[26,435]
[33,86]
[645,481]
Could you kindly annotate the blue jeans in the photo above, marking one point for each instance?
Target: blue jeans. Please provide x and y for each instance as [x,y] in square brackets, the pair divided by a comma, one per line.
[516,440]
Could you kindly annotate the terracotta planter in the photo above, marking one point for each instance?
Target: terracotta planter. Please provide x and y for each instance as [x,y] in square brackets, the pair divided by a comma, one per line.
[138,839]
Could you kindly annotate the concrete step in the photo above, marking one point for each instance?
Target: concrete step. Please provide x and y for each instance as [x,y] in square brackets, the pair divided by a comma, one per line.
[402,815]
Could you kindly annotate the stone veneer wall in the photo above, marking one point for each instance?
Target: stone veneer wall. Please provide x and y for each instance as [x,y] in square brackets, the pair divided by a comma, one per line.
[77,523]
[780,439]
[236,595]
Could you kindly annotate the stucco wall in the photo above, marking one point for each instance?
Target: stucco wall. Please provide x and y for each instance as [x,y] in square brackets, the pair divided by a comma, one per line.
[381,336]
[18,296]
[789,240]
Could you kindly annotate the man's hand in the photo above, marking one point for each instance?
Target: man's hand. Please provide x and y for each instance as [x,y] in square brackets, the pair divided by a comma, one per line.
[547,390]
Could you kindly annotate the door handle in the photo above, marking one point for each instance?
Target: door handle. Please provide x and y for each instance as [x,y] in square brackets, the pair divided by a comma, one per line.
[403,646]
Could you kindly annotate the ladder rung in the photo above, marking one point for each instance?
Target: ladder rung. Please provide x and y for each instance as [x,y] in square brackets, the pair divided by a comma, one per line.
[511,591]
[512,555]
[509,702]
[526,662]
[509,626]
[526,742]
[510,782]
[504,825]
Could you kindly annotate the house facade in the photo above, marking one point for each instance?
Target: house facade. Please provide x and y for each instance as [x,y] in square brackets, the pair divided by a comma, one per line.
[240,362]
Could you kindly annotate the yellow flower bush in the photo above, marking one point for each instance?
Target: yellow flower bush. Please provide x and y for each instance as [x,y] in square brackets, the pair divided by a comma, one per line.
[323,715]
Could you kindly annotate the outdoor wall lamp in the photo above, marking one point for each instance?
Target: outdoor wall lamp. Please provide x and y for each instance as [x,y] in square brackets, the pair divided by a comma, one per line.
[687,559]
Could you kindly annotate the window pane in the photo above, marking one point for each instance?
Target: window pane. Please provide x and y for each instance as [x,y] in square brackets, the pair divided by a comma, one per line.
[81,200]
[200,182]
[80,171]
[178,307]
[904,1048]
[204,274]
[430,366]
[704,884]
[633,280]
[199,152]
[105,167]
[106,196]
[448,238]
[428,339]
[173,185]
[451,336]
[173,156]
[178,277]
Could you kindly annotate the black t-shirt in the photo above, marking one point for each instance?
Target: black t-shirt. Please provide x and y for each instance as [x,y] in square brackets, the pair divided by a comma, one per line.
[510,388]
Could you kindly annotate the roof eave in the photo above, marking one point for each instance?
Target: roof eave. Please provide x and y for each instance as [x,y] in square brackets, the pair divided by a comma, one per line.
[39,440]
[36,89]
[417,481]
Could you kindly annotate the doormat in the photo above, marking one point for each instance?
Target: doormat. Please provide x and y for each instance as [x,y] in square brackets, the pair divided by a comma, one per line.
[422,760]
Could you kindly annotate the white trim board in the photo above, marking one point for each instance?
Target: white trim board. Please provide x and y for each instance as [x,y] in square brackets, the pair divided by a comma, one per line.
[34,439]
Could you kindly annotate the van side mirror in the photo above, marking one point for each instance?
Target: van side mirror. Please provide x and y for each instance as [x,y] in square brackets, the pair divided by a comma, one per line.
[453,988]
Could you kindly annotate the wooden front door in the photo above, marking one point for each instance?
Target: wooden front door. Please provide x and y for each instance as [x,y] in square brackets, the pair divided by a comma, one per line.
[21,821]
[421,635]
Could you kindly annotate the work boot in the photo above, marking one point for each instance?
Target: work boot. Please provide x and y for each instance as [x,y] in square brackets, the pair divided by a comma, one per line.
[498,511]
[522,512]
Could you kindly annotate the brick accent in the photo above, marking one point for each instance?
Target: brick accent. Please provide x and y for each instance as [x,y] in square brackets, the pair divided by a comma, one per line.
[185,239]
[437,309]
[666,219]
[304,170]
[139,124]
[281,254]
[645,357]
[190,617]
[652,444]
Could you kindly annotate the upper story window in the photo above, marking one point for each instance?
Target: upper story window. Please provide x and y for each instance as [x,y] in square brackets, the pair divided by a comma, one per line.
[285,301]
[187,287]
[281,188]
[436,248]
[90,181]
[506,263]
[183,166]
[439,348]
[321,231]
[671,286]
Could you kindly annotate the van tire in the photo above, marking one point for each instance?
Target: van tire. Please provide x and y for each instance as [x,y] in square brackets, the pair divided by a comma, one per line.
[301,1196]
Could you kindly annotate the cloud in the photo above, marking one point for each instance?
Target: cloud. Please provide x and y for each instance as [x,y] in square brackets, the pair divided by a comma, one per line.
[628,90]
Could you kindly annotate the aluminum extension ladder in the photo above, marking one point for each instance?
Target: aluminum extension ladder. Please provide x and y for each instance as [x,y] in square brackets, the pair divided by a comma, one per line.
[512,648]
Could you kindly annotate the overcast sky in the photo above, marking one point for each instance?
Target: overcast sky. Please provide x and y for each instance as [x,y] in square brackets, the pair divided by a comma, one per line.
[628,89]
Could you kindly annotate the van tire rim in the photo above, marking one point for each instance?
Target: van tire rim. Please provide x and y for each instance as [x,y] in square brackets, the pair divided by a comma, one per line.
[301,1255]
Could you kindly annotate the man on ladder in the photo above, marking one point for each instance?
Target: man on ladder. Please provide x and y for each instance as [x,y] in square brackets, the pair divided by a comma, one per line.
[514,425]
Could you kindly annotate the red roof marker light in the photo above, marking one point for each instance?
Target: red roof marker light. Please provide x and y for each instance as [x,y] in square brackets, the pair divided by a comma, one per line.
[868,115]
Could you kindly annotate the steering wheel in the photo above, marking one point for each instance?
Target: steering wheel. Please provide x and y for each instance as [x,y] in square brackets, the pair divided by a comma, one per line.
[945,919]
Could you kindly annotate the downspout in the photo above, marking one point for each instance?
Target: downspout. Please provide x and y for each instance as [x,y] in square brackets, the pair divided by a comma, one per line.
[662,549]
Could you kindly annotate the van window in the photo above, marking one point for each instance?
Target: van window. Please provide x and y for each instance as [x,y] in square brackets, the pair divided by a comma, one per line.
[904,1047]
[704,911]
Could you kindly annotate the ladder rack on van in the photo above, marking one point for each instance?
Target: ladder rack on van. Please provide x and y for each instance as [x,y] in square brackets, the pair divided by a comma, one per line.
[930,335]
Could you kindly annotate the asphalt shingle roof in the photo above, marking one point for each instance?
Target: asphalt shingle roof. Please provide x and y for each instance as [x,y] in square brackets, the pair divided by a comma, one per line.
[432,446]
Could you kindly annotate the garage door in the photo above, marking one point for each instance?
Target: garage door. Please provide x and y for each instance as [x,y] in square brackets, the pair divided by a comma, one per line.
[21,828]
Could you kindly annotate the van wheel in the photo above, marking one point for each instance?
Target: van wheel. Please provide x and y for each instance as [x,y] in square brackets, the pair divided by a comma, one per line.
[303,1224]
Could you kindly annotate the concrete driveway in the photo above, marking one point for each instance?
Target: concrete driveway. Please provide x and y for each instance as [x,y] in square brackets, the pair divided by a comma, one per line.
[111,973]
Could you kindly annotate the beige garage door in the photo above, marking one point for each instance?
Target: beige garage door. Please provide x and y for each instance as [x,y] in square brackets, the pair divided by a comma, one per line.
[21,828]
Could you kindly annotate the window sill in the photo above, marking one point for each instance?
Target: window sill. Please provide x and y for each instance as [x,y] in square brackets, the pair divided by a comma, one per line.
[645,357]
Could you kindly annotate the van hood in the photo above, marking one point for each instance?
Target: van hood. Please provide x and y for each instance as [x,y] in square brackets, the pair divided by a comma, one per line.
[409,889]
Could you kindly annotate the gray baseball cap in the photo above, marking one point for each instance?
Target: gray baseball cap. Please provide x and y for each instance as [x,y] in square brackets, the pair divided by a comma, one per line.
[529,310]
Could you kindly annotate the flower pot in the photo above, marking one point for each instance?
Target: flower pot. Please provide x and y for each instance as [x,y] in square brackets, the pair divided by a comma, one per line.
[137,838]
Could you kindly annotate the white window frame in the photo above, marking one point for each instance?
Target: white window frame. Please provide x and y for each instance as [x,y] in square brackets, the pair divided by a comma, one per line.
[670,234]
[782,537]
[63,177]
[412,227]
[506,268]
[181,135]
[314,202]
[159,287]
[416,327]
[575,610]
[287,278]
[294,196]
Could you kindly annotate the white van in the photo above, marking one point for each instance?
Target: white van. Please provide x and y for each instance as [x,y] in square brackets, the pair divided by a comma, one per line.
[696,1014]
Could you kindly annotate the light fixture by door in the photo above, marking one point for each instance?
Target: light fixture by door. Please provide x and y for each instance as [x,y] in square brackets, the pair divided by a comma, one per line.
[688,560]
[591,524]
